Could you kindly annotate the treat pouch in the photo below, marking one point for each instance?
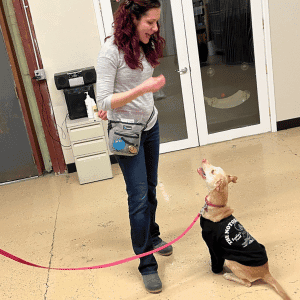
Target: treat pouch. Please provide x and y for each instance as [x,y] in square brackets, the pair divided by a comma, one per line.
[124,137]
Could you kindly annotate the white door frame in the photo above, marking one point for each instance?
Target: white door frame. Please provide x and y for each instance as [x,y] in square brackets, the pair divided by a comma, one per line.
[100,21]
[269,63]
[188,57]
[186,84]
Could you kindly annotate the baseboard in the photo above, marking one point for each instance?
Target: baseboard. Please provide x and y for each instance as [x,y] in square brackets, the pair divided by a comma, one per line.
[288,124]
[72,167]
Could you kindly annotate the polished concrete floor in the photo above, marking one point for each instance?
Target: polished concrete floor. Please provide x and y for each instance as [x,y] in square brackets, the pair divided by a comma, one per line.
[54,221]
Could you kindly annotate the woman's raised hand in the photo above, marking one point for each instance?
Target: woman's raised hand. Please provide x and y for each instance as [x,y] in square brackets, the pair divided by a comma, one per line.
[153,84]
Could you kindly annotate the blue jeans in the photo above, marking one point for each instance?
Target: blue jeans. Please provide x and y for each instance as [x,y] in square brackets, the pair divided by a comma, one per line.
[140,175]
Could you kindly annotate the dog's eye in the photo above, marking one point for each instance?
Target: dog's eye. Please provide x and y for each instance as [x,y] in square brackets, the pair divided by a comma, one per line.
[213,172]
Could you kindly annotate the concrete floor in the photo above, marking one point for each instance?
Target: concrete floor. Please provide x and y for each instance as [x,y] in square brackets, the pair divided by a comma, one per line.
[52,220]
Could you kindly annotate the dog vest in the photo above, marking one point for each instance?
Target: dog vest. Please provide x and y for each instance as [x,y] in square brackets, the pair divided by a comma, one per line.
[229,240]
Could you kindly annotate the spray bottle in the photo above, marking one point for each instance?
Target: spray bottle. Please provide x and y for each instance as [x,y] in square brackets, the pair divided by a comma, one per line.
[91,107]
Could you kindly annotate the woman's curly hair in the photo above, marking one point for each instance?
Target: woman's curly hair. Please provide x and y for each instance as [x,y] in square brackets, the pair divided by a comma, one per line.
[126,37]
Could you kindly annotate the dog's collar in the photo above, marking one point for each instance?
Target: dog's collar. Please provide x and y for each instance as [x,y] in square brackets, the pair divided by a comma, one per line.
[211,204]
[207,204]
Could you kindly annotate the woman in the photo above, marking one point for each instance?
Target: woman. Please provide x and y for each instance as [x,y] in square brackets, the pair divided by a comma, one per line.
[125,88]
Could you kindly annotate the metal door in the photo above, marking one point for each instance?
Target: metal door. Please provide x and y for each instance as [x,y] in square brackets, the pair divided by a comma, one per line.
[16,159]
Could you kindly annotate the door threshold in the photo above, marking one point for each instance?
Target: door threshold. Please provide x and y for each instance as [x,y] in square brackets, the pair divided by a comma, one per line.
[19,180]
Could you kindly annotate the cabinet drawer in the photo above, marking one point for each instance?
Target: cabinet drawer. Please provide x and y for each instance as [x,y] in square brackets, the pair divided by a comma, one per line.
[93,167]
[92,146]
[86,132]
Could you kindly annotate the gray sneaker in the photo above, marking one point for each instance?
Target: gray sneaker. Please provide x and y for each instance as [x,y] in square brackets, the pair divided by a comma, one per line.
[165,252]
[152,283]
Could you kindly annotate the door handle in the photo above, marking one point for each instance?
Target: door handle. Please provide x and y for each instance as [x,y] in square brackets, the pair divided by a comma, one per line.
[182,71]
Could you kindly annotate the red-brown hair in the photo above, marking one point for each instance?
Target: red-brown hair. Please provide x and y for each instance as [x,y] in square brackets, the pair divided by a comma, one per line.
[126,37]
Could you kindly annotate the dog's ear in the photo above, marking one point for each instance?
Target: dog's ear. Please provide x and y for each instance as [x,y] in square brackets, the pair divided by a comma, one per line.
[231,178]
[220,184]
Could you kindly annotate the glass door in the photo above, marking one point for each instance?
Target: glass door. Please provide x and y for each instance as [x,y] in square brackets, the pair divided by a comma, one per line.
[226,47]
[176,112]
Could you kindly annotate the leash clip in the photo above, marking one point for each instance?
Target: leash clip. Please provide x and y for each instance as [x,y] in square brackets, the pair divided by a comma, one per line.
[204,208]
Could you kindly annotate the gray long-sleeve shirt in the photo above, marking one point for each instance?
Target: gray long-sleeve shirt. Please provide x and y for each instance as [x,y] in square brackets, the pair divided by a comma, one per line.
[115,76]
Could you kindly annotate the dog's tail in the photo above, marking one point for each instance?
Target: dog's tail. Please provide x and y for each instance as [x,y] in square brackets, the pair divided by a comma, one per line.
[278,288]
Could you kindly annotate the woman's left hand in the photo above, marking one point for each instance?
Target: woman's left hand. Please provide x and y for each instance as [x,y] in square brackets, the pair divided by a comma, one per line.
[102,115]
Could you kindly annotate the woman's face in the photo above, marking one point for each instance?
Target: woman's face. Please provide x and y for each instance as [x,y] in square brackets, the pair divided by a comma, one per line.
[147,25]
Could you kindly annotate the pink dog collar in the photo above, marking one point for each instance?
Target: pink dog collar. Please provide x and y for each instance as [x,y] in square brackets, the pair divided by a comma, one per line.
[207,203]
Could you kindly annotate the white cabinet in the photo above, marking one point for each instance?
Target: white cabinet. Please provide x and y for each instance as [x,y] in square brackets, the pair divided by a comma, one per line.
[89,149]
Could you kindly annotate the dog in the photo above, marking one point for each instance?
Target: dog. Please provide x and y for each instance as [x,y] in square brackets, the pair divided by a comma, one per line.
[229,244]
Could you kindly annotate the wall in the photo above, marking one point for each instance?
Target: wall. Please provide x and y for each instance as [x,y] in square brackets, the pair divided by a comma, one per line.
[285,28]
[68,39]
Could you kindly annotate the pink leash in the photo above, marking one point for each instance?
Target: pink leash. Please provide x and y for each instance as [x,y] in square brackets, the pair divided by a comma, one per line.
[19,260]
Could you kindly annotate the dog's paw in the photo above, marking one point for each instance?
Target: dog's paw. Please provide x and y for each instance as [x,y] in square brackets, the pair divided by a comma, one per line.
[232,277]
[227,276]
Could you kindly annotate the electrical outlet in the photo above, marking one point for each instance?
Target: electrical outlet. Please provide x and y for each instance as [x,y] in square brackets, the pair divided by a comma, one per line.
[40,74]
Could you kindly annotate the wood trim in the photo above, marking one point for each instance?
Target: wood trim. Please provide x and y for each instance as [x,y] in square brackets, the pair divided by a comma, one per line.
[21,93]
[40,88]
